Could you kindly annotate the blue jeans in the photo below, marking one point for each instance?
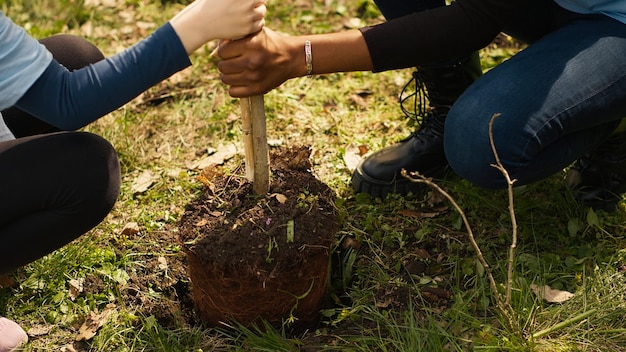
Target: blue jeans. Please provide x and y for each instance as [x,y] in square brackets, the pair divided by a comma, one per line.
[558,99]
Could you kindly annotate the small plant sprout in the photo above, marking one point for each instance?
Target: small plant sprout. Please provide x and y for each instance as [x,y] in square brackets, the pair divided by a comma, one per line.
[271,245]
[292,319]
[290,231]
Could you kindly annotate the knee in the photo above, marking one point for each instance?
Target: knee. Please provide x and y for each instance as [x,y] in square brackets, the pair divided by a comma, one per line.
[98,179]
[106,169]
[71,51]
[468,148]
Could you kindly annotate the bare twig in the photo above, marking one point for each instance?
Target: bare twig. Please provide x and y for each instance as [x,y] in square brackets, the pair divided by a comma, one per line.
[419,178]
[505,306]
[509,182]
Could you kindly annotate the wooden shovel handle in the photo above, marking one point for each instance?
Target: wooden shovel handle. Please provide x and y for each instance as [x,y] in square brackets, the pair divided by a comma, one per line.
[255,143]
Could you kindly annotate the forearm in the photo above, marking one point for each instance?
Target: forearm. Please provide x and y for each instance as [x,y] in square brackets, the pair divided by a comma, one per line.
[260,63]
[189,29]
[70,100]
[336,52]
[439,34]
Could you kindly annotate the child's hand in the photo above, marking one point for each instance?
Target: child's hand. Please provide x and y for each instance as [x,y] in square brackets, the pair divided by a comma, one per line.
[206,20]
[233,19]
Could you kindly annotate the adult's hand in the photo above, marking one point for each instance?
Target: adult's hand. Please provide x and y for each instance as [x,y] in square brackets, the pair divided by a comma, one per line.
[261,62]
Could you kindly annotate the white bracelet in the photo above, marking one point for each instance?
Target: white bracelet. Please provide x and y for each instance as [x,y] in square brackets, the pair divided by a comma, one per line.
[308,57]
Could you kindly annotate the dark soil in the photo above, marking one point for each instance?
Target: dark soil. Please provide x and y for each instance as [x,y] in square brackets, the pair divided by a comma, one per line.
[261,256]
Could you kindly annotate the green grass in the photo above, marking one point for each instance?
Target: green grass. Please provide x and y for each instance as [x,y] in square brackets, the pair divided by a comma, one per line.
[380,302]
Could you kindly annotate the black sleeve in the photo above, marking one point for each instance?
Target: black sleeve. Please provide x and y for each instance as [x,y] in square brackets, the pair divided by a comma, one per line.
[438,34]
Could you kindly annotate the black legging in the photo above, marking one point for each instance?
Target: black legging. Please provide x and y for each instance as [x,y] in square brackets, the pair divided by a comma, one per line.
[54,186]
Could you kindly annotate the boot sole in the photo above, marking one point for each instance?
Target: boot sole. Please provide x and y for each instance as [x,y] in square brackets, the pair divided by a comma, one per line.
[361,183]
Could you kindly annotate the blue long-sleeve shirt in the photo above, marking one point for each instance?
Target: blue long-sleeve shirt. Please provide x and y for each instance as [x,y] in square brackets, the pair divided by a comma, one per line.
[612,8]
[22,61]
[70,100]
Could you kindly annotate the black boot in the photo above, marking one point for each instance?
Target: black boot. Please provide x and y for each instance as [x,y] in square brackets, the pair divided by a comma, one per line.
[598,179]
[379,174]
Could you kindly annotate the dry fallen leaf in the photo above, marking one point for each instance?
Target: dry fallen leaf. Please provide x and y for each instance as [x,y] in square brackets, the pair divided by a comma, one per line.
[93,322]
[350,242]
[438,292]
[352,157]
[205,180]
[69,348]
[550,294]
[143,182]
[275,142]
[436,198]
[223,153]
[422,253]
[281,198]
[385,303]
[76,288]
[132,228]
[359,101]
[40,330]
[201,223]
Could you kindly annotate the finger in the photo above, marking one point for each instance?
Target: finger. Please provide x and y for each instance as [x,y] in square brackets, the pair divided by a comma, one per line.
[260,10]
[243,91]
[236,79]
[258,18]
[236,92]
[229,49]
[232,66]
[258,25]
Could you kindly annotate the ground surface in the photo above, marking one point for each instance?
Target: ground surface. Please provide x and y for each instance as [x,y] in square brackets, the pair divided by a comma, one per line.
[239,242]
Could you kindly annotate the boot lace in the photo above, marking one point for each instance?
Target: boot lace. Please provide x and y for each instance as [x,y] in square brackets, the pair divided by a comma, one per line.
[416,106]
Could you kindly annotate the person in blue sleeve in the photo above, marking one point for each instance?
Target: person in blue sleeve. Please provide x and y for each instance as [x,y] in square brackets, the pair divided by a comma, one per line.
[56,183]
[560,100]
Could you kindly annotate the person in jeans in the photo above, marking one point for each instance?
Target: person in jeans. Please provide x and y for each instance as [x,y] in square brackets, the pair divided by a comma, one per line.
[57,185]
[560,100]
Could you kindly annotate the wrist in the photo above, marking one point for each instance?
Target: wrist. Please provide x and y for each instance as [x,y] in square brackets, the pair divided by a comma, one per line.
[299,57]
[188,35]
